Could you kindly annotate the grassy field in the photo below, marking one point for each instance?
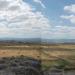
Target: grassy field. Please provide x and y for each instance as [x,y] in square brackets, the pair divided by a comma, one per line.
[52,54]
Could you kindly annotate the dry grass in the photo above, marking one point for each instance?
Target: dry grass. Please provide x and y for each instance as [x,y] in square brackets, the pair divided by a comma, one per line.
[49,52]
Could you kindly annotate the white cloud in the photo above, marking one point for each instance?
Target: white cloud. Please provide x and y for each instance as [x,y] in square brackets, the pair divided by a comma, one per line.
[60,32]
[71,18]
[71,10]
[40,2]
[18,18]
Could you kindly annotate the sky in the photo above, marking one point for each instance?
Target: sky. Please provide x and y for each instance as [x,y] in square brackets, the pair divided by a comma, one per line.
[48,19]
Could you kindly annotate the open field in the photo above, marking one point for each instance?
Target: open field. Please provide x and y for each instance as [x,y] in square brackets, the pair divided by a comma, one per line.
[49,54]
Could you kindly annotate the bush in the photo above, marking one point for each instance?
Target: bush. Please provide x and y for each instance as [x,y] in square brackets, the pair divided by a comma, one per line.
[62,63]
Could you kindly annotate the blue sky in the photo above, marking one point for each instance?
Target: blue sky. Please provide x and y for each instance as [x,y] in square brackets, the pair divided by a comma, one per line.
[49,19]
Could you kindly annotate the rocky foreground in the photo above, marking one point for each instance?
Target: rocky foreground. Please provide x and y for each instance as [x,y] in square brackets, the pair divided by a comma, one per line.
[27,66]
[20,66]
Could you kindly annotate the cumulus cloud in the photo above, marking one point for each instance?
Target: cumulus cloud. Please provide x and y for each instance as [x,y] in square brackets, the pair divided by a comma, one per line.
[19,18]
[71,10]
[60,32]
[40,2]
[71,18]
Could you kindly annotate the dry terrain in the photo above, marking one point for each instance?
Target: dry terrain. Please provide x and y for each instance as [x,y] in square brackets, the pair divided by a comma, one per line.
[49,54]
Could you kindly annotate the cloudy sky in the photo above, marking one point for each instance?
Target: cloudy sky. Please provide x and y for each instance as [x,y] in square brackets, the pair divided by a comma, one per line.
[51,19]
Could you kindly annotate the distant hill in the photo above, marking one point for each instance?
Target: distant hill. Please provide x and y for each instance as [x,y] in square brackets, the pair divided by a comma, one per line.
[37,40]
[21,40]
[49,41]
